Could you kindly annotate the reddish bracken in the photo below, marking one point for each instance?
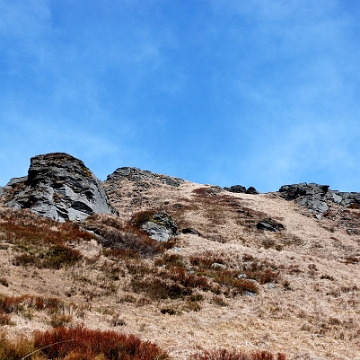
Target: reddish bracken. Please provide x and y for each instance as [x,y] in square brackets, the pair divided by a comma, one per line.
[84,344]
[224,354]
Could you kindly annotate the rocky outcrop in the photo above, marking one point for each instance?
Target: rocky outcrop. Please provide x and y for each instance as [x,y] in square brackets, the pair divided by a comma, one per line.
[317,197]
[236,189]
[160,226]
[60,187]
[137,175]
[242,190]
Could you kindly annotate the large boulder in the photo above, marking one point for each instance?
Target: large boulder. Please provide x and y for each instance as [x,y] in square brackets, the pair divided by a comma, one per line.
[60,187]
[159,226]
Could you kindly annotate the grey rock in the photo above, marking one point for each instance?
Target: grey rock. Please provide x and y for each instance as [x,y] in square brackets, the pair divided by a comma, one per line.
[336,198]
[156,231]
[291,192]
[317,197]
[60,187]
[236,189]
[160,226]
[318,205]
[15,181]
[269,225]
[135,174]
[190,231]
[218,266]
[252,191]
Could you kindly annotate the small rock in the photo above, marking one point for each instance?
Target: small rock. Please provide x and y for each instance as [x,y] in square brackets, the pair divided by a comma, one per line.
[190,231]
[218,266]
[269,225]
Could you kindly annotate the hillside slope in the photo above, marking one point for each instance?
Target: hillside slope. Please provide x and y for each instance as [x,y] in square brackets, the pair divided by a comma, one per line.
[220,282]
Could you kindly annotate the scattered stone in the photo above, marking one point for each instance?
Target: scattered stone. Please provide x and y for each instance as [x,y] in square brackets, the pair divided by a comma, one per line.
[269,225]
[60,187]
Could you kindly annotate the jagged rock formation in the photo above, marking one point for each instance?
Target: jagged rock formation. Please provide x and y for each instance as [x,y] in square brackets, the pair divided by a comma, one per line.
[137,175]
[60,187]
[131,189]
[317,197]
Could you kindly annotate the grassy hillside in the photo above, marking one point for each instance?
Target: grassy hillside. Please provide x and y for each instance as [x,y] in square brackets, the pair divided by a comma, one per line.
[220,289]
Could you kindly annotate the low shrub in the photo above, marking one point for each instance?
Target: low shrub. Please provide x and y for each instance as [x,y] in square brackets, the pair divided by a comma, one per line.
[12,304]
[85,344]
[224,354]
[158,289]
[17,350]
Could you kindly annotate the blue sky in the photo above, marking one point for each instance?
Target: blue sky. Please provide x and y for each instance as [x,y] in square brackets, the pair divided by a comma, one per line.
[259,93]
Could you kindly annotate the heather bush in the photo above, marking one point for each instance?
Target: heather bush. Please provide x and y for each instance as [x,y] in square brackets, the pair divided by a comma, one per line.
[41,242]
[85,344]
[224,354]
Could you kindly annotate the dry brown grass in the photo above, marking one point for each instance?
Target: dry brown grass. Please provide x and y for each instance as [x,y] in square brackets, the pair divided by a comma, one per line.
[306,303]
